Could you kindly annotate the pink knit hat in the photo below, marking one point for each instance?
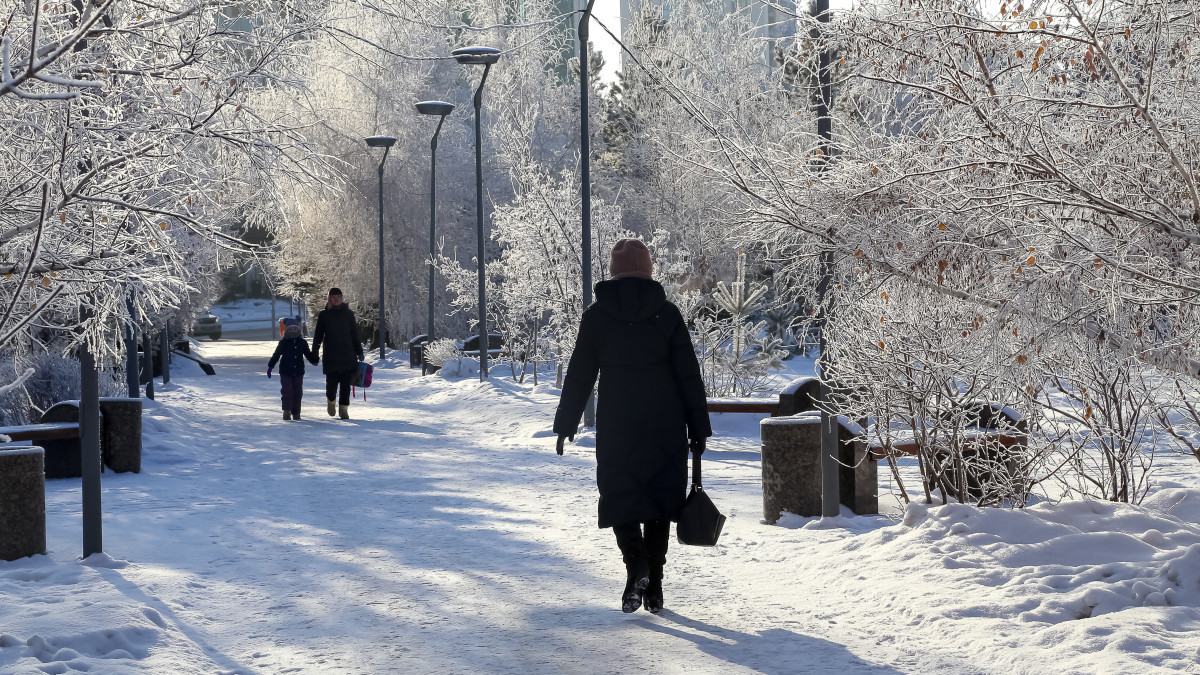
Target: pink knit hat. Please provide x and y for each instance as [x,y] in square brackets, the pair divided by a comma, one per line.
[630,258]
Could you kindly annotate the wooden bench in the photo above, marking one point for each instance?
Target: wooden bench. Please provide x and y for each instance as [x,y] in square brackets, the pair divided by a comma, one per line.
[797,397]
[59,434]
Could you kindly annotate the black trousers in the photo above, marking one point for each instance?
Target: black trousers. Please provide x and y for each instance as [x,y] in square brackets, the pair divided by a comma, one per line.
[650,545]
[291,390]
[335,380]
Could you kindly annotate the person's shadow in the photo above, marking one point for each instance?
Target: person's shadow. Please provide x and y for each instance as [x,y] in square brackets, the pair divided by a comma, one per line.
[774,651]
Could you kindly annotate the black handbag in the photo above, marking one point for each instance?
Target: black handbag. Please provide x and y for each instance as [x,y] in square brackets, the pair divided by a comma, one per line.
[700,522]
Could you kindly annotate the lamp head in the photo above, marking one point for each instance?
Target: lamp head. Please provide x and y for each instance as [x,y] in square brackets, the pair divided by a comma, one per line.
[439,108]
[380,141]
[477,56]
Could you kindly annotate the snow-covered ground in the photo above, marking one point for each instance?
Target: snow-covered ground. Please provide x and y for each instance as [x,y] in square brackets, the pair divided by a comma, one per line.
[437,531]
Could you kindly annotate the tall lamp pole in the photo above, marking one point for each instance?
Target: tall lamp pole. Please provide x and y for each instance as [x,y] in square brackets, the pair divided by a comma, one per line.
[439,109]
[385,142]
[585,165]
[479,56]
[830,497]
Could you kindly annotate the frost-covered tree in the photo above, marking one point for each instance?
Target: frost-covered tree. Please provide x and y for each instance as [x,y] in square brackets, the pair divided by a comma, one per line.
[375,63]
[134,146]
[1008,183]
[735,353]
[536,283]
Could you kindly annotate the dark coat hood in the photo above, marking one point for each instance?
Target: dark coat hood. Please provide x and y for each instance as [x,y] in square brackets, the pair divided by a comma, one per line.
[630,299]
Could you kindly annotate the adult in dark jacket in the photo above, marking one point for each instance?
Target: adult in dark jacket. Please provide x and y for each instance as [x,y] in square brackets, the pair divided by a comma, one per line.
[290,354]
[650,403]
[337,332]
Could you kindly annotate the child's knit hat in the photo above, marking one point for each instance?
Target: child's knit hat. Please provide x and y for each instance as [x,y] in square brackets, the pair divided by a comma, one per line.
[289,323]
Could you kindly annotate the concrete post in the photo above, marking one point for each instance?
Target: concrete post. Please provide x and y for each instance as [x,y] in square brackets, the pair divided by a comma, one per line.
[791,467]
[122,433]
[22,502]
[793,471]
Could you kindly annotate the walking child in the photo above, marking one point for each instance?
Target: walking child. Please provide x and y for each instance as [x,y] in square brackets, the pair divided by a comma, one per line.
[290,354]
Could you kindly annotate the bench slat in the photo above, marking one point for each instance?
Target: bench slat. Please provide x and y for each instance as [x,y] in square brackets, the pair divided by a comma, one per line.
[770,407]
[48,431]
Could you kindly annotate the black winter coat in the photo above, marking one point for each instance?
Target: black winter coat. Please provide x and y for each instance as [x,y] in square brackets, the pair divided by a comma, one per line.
[651,399]
[337,331]
[290,354]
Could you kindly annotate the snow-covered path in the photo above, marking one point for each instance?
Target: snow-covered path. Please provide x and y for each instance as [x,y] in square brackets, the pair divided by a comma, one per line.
[437,531]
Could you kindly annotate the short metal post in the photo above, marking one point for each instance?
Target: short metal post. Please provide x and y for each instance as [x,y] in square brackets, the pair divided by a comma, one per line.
[148,362]
[830,488]
[830,492]
[165,354]
[131,356]
[89,441]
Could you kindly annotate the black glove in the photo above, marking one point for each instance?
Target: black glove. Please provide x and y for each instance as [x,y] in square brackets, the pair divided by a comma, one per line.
[360,357]
[559,447]
[697,446]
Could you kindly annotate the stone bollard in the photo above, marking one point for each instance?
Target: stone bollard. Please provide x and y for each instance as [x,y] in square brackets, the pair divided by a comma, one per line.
[64,457]
[22,502]
[791,466]
[858,475]
[121,434]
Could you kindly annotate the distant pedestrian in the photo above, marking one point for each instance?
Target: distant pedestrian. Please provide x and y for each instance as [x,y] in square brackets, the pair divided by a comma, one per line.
[337,332]
[290,354]
[650,403]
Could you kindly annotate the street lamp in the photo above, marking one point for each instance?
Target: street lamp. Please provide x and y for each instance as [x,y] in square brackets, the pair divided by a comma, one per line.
[585,162]
[830,498]
[385,142]
[479,56]
[439,109]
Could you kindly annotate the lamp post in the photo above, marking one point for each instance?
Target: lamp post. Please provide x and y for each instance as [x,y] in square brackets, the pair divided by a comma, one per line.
[830,498]
[585,165]
[385,142]
[479,56]
[439,109]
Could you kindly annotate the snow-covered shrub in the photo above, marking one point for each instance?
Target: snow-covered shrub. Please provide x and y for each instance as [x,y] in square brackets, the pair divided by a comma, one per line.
[1101,417]
[438,352]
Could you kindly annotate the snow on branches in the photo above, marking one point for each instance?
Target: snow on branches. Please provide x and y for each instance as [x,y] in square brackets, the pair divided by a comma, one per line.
[140,130]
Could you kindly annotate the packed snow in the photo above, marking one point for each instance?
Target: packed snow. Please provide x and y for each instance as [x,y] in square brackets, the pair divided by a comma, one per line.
[437,531]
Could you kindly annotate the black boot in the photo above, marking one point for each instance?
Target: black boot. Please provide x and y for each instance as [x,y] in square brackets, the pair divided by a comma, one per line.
[658,534]
[637,566]
[637,579]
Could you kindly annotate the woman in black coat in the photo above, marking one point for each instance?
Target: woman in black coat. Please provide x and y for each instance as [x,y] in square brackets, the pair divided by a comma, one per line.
[650,403]
[337,333]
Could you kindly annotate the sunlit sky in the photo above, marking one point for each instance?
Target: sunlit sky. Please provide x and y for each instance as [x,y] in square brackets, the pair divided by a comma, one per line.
[608,11]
